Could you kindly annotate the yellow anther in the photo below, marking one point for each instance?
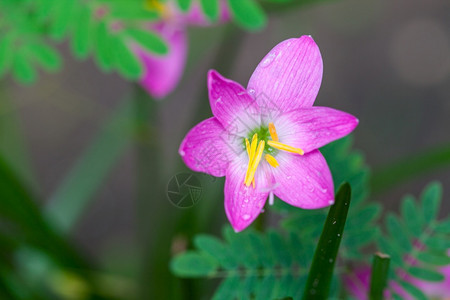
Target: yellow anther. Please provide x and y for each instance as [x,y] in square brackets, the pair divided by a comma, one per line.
[247,146]
[271,160]
[273,132]
[256,159]
[284,147]
[253,144]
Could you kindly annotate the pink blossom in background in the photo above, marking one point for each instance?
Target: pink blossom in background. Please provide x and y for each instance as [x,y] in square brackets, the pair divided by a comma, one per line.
[264,139]
[163,72]
[357,284]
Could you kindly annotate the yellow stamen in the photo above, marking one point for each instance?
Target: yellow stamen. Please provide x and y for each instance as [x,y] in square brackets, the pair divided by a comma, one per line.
[271,160]
[251,153]
[253,182]
[284,147]
[256,159]
[253,144]
[273,132]
[247,146]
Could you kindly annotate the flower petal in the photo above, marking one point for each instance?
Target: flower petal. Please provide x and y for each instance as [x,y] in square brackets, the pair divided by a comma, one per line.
[244,203]
[314,127]
[205,148]
[162,73]
[304,181]
[232,105]
[289,77]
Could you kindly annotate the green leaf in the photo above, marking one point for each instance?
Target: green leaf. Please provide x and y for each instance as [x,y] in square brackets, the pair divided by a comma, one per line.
[129,65]
[227,289]
[438,242]
[321,271]
[6,53]
[413,291]
[184,4]
[412,215]
[46,56]
[63,12]
[379,276]
[443,227]
[247,13]
[23,69]
[425,274]
[431,201]
[434,258]
[210,8]
[149,40]
[410,167]
[67,203]
[216,249]
[396,228]
[191,264]
[104,50]
[81,40]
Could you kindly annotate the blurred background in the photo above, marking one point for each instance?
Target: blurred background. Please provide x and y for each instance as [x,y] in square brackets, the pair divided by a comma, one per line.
[386,62]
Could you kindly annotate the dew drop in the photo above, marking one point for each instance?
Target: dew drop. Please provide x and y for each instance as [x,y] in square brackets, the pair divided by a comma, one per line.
[339,234]
[182,153]
[334,222]
[323,190]
[268,60]
[331,202]
[246,200]
[245,217]
[251,91]
[330,260]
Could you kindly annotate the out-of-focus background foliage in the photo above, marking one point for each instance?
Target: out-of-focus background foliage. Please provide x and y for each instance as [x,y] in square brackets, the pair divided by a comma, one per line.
[386,62]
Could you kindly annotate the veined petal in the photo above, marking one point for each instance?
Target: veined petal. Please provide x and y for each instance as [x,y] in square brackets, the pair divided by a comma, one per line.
[289,77]
[232,105]
[162,73]
[244,203]
[304,181]
[206,148]
[313,127]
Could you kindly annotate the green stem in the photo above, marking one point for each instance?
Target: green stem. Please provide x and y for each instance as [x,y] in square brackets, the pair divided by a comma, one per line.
[288,6]
[322,266]
[73,195]
[378,279]
[411,167]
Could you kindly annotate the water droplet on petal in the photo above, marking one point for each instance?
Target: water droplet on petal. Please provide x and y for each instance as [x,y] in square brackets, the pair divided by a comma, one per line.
[245,217]
[331,202]
[251,91]
[182,153]
[268,60]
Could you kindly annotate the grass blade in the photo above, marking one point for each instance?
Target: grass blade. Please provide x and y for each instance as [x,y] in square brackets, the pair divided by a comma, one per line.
[321,272]
[380,271]
[69,201]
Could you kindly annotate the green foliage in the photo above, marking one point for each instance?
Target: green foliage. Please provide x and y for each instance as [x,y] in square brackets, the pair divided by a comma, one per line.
[417,241]
[346,165]
[251,264]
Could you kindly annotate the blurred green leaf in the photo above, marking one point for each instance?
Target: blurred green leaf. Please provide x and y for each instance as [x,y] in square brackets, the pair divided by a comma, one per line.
[76,190]
[149,40]
[46,56]
[127,62]
[184,4]
[211,8]
[82,37]
[247,13]
[191,264]
[23,69]
[410,167]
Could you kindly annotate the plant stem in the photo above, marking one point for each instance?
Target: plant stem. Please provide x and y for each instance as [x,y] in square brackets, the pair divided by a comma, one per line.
[411,167]
[69,201]
[322,266]
[378,279]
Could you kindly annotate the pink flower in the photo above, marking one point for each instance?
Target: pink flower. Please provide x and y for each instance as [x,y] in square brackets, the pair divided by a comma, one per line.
[162,73]
[357,284]
[264,139]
